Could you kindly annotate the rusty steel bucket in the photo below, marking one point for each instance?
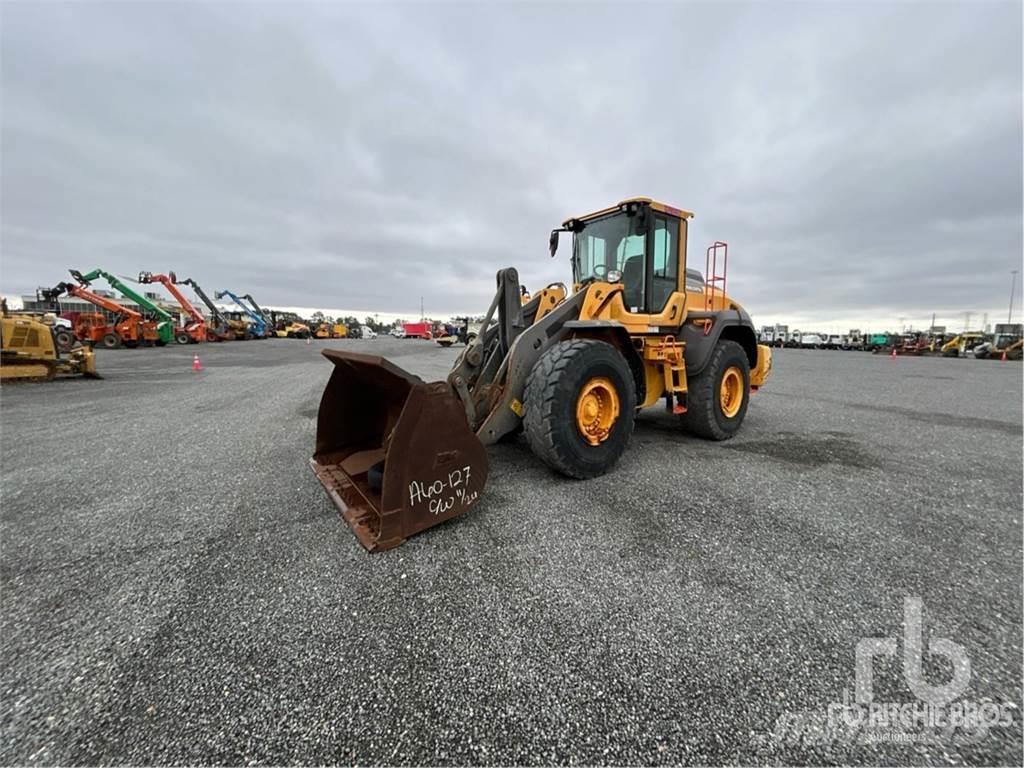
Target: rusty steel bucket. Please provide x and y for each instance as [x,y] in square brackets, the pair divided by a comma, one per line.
[395,453]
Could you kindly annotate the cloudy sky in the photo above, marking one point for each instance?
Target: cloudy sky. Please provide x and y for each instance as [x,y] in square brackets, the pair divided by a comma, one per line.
[862,159]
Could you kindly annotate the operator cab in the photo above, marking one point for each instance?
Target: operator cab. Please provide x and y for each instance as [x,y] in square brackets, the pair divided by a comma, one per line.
[1007,334]
[639,243]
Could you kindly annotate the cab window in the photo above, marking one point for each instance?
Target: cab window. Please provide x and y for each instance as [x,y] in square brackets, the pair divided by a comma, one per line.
[664,262]
[616,242]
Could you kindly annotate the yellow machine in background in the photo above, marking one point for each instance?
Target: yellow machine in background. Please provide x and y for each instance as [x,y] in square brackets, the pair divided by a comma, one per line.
[1007,343]
[568,369]
[294,330]
[331,331]
[959,344]
[29,351]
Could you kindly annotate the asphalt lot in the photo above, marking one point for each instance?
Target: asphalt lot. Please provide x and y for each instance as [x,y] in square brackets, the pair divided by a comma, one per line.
[177,587]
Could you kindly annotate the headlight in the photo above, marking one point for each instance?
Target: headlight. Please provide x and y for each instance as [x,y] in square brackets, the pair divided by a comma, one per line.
[614,276]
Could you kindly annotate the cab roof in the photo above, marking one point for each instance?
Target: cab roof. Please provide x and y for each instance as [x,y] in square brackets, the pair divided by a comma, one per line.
[654,204]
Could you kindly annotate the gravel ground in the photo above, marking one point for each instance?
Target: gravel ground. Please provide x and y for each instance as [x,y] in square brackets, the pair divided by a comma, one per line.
[177,587]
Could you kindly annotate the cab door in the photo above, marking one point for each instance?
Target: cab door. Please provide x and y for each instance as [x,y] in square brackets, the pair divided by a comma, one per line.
[663,262]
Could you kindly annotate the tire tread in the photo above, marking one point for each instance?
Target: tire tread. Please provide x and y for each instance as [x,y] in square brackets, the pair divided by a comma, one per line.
[540,422]
[701,417]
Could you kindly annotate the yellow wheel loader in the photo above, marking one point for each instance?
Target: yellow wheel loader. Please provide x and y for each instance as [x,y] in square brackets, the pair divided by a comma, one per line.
[1007,344]
[961,343]
[568,369]
[293,330]
[29,351]
[331,331]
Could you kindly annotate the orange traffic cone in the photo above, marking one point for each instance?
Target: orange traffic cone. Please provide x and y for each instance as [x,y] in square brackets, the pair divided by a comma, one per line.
[893,356]
[1003,358]
[195,363]
[308,341]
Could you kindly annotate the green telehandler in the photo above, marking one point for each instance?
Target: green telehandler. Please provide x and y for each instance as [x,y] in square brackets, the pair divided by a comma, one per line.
[165,321]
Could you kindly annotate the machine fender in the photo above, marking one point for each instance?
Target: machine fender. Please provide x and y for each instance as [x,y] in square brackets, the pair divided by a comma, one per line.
[732,324]
[617,335]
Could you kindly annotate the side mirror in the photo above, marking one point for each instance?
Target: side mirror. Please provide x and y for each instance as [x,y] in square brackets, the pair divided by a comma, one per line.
[553,242]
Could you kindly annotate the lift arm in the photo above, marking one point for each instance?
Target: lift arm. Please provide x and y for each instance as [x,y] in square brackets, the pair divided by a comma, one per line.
[258,321]
[51,294]
[214,312]
[169,282]
[222,326]
[116,283]
[266,315]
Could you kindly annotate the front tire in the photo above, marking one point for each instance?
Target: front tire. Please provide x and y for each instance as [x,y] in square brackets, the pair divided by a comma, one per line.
[182,337]
[111,341]
[580,402]
[718,397]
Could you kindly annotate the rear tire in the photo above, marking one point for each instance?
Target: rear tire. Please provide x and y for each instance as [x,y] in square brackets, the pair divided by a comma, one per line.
[182,337]
[554,392]
[111,341]
[711,409]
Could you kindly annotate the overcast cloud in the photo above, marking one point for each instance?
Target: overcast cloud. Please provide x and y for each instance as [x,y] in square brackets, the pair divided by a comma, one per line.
[863,160]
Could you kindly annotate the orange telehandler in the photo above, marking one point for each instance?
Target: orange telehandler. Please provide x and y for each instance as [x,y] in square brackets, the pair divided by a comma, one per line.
[130,329]
[195,330]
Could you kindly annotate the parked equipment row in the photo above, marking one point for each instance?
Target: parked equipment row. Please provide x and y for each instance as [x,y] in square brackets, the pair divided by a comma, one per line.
[148,324]
[1007,341]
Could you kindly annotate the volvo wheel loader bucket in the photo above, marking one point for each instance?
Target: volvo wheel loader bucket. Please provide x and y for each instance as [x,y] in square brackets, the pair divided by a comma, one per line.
[395,453]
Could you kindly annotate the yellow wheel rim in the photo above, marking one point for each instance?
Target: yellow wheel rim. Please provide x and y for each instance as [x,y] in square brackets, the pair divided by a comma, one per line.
[730,393]
[597,409]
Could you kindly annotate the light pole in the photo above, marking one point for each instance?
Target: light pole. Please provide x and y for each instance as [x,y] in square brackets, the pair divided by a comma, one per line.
[1013,286]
